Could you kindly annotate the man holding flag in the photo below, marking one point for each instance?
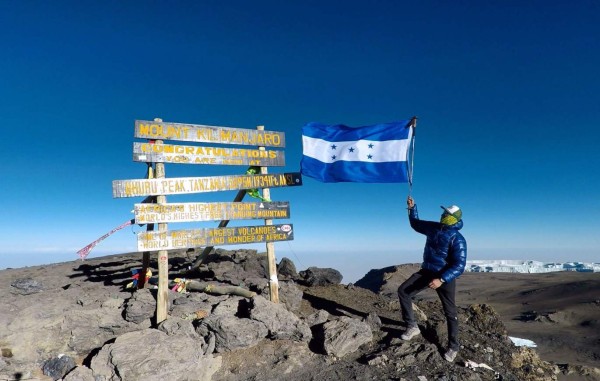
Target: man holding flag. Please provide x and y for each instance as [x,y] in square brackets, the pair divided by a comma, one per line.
[381,154]
[444,260]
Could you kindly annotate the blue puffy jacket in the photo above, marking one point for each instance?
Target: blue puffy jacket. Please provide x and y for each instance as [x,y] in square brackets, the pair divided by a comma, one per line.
[446,249]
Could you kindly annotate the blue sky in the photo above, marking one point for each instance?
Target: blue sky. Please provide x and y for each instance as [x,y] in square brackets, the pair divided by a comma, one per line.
[506,93]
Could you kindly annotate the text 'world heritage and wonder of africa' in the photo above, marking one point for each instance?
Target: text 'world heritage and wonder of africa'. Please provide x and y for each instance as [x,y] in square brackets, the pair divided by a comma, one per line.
[177,239]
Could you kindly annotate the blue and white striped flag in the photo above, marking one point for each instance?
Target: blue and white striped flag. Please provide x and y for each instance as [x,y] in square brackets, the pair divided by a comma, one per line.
[369,154]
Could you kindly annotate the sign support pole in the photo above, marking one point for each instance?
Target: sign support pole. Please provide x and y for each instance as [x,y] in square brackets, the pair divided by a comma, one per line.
[146,254]
[238,198]
[162,300]
[272,264]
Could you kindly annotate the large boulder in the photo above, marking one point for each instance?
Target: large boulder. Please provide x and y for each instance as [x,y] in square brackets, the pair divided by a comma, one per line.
[281,323]
[286,269]
[235,267]
[151,355]
[231,332]
[289,294]
[484,318]
[175,326]
[386,281]
[89,328]
[140,307]
[344,335]
[316,318]
[316,276]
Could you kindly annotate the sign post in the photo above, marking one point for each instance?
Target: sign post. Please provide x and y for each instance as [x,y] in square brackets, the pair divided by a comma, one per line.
[272,263]
[146,254]
[154,211]
[162,300]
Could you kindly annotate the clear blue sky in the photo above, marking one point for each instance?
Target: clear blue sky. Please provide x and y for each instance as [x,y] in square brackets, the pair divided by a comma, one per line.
[507,95]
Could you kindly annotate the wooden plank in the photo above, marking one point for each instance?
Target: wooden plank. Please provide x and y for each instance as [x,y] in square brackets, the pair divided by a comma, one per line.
[185,185]
[209,211]
[239,235]
[208,134]
[178,154]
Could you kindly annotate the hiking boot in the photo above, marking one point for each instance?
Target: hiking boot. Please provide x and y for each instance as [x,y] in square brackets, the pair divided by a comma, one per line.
[450,355]
[410,333]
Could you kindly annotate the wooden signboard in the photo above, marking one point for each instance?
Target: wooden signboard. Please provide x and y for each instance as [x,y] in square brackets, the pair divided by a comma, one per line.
[182,239]
[167,153]
[205,211]
[208,134]
[185,185]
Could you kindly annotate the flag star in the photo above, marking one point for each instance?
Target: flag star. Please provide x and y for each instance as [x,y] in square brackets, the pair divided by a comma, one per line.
[333,146]
[351,149]
[370,145]
[370,156]
[333,157]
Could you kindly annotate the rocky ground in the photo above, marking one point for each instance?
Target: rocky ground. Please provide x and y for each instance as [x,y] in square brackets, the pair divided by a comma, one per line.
[77,321]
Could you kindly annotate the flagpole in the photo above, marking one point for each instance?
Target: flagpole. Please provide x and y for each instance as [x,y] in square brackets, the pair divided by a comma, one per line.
[413,125]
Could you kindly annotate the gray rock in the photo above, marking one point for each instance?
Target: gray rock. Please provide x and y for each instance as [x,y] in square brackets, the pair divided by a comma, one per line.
[319,317]
[87,329]
[289,294]
[228,307]
[377,360]
[373,321]
[315,276]
[58,366]
[26,286]
[192,303]
[231,332]
[151,355]
[81,373]
[140,307]
[209,348]
[287,269]
[345,335]
[386,281]
[281,323]
[235,267]
[174,326]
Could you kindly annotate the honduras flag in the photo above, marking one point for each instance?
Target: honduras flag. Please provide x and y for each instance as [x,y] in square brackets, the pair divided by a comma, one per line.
[369,154]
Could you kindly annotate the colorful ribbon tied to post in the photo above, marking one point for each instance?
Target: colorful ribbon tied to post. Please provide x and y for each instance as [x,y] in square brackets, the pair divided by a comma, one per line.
[86,250]
[180,285]
[136,277]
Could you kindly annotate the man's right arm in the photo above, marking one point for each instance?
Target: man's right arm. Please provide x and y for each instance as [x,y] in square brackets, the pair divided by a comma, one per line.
[413,217]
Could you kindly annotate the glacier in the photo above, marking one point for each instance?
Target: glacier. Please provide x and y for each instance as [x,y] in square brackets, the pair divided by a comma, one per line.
[524,266]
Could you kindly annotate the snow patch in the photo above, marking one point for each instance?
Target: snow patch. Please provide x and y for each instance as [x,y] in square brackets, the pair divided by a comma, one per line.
[523,342]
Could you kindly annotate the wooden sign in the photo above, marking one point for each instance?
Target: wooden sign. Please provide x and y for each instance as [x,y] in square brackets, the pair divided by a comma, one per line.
[214,211]
[167,153]
[181,239]
[185,185]
[208,134]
